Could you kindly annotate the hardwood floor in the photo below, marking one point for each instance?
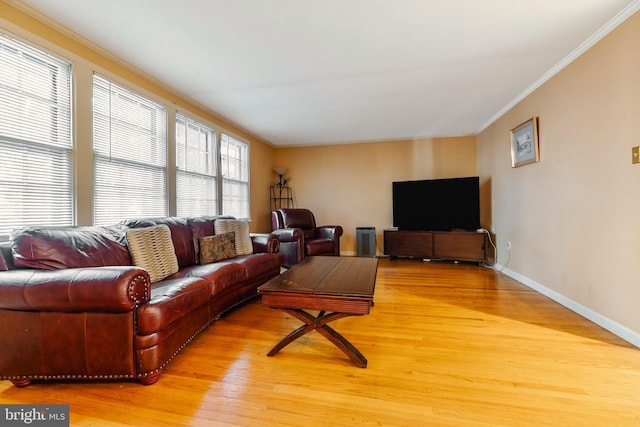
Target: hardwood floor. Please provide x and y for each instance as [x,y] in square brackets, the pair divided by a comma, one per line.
[447,344]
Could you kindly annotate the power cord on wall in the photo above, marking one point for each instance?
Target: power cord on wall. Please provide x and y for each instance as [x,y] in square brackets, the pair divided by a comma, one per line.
[495,251]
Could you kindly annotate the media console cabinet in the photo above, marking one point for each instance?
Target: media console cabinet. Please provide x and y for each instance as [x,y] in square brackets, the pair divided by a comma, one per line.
[447,245]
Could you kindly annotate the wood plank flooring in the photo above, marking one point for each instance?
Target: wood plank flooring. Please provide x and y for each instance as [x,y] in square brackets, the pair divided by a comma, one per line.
[447,344]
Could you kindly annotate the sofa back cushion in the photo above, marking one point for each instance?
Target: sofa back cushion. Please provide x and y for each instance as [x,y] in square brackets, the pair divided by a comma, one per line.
[181,236]
[68,247]
[300,218]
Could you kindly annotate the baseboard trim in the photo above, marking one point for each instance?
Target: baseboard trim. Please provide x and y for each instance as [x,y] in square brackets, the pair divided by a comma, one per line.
[600,320]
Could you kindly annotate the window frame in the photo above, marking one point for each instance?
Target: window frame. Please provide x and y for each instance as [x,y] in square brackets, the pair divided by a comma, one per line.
[151,198]
[34,103]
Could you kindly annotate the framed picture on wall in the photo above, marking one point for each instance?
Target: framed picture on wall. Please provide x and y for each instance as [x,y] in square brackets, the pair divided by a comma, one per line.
[524,143]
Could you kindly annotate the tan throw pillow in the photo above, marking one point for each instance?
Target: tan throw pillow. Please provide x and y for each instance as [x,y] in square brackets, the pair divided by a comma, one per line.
[152,249]
[244,245]
[218,247]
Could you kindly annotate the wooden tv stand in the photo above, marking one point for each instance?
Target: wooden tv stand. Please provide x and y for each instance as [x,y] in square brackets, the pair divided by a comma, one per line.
[448,245]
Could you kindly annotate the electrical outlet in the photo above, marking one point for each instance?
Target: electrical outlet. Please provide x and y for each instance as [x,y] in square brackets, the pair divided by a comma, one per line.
[509,245]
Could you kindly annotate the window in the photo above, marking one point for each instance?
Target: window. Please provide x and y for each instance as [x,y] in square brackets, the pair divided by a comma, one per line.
[196,168]
[36,185]
[235,177]
[130,154]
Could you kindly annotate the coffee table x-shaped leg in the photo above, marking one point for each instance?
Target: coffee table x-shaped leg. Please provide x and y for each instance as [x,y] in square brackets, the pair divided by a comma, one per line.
[320,324]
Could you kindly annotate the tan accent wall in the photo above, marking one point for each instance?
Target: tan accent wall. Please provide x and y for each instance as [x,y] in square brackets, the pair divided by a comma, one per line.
[261,158]
[87,61]
[350,185]
[573,219]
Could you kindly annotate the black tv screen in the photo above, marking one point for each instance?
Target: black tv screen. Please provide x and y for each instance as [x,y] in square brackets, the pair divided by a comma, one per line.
[437,204]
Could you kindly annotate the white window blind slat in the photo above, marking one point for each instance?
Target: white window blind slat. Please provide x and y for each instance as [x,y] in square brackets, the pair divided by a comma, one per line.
[36,186]
[196,175]
[196,194]
[128,190]
[130,147]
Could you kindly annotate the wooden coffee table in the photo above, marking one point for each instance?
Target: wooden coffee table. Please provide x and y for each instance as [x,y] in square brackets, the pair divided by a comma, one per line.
[337,287]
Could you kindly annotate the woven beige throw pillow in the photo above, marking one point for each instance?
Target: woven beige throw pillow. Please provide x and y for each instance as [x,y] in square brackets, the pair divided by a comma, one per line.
[244,245]
[152,249]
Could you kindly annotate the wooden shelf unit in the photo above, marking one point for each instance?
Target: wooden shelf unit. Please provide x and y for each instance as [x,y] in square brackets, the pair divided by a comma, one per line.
[447,245]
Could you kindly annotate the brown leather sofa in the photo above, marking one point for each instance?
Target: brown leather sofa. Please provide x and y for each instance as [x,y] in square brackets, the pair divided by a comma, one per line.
[300,237]
[74,307]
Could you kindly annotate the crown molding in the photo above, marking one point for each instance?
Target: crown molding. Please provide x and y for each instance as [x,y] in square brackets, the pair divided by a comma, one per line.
[586,45]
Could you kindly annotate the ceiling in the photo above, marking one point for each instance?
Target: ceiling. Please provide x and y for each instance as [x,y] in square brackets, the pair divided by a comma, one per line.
[310,72]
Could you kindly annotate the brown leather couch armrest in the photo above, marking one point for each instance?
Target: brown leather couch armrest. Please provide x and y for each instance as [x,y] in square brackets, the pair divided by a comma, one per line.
[94,289]
[329,231]
[265,243]
[289,234]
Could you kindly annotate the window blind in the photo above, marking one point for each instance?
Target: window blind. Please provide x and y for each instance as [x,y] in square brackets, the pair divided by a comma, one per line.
[235,176]
[130,154]
[36,186]
[196,168]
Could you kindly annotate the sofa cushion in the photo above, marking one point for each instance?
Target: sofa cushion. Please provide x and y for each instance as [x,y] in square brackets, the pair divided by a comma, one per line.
[67,247]
[217,247]
[221,274]
[229,270]
[259,264]
[244,245]
[172,299]
[152,249]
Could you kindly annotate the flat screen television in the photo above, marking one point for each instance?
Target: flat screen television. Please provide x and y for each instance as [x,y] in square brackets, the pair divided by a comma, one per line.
[437,204]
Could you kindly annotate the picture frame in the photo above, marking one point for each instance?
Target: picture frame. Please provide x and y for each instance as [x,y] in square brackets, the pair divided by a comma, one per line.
[524,143]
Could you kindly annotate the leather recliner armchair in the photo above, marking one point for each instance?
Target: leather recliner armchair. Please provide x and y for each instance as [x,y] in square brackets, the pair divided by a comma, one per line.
[300,237]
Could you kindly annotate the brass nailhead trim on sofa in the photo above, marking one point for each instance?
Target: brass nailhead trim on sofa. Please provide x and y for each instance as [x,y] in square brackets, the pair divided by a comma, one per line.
[133,287]
[175,353]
